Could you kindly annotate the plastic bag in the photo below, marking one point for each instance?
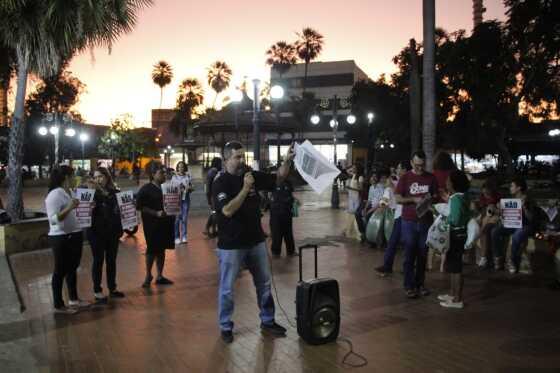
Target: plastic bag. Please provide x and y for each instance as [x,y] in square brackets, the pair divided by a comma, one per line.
[374,228]
[473,230]
[438,235]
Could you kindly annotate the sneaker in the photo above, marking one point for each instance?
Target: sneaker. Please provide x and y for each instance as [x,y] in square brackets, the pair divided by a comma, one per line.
[163,281]
[78,303]
[116,294]
[99,298]
[424,291]
[293,254]
[227,336]
[382,272]
[451,304]
[177,241]
[273,328]
[65,310]
[445,298]
[184,240]
[411,294]
[482,262]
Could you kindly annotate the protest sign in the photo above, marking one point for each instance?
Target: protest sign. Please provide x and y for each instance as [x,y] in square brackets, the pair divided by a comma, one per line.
[512,213]
[171,198]
[129,217]
[83,211]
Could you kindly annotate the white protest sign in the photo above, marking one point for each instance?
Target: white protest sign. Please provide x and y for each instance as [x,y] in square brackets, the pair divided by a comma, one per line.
[129,217]
[314,167]
[171,198]
[83,211]
[512,213]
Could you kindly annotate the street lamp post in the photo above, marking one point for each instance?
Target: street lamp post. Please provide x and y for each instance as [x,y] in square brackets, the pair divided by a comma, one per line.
[277,93]
[256,125]
[83,138]
[370,117]
[54,130]
[236,98]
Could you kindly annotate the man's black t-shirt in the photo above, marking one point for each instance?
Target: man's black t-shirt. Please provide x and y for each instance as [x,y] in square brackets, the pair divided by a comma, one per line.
[243,230]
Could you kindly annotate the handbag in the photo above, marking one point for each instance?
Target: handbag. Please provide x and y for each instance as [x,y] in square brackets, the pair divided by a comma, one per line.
[438,234]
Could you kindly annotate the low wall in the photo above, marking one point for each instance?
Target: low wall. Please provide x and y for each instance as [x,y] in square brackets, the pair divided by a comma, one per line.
[26,235]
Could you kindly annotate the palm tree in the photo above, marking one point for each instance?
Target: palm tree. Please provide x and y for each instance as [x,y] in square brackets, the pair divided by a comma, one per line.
[44,33]
[429,82]
[7,70]
[281,56]
[308,47]
[219,77]
[190,97]
[161,76]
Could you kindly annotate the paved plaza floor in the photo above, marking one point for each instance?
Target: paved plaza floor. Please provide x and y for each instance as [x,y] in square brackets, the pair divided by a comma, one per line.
[510,323]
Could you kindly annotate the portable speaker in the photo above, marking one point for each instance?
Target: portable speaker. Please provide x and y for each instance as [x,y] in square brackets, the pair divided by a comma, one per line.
[317,306]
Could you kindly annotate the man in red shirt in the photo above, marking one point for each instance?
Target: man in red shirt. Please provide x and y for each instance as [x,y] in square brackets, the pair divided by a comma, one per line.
[411,190]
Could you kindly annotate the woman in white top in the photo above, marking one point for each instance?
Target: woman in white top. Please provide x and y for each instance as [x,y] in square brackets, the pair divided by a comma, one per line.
[65,238]
[184,179]
[354,188]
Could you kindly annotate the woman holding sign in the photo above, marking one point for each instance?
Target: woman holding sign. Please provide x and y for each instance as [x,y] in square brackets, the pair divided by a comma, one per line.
[65,238]
[104,234]
[182,178]
[158,226]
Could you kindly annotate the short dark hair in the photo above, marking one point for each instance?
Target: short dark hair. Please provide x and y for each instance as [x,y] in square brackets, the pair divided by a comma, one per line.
[181,163]
[419,154]
[58,175]
[520,182]
[152,167]
[230,147]
[459,181]
[216,163]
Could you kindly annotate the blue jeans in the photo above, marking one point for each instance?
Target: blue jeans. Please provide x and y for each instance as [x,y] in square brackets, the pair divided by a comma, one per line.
[414,235]
[181,220]
[256,260]
[391,249]
[518,238]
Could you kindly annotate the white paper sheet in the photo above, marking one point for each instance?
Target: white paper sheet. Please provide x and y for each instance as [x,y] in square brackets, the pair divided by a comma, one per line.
[314,167]
[83,211]
[171,198]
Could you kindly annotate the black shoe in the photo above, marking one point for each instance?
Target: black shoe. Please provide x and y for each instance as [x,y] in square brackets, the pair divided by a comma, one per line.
[147,282]
[100,300]
[554,286]
[292,254]
[273,328]
[227,336]
[423,291]
[116,294]
[163,281]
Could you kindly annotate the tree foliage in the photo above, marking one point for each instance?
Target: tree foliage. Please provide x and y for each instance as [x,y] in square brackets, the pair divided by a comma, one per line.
[123,142]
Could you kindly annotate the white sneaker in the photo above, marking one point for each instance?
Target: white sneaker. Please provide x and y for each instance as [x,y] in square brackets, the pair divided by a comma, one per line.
[78,303]
[445,298]
[177,241]
[482,262]
[184,240]
[511,268]
[65,311]
[451,304]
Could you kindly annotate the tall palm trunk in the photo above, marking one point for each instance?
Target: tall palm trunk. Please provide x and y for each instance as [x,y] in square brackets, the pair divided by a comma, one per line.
[15,147]
[429,87]
[415,99]
[160,97]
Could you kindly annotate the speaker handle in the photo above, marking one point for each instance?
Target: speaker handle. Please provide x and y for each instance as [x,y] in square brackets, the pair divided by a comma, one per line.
[301,248]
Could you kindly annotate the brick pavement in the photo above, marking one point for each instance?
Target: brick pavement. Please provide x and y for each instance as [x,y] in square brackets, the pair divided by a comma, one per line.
[510,324]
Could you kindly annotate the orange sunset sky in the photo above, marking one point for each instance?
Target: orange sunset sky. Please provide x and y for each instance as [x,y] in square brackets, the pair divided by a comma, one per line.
[190,35]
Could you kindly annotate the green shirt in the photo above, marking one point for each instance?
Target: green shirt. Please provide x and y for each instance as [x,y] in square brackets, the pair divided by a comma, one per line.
[459,213]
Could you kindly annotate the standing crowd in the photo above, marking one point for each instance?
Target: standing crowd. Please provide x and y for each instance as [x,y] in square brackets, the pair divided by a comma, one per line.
[388,208]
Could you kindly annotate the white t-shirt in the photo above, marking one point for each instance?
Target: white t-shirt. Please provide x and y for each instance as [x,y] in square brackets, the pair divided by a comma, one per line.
[56,201]
[389,195]
[185,180]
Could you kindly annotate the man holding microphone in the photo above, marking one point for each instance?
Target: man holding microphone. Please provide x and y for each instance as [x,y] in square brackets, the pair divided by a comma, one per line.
[241,240]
